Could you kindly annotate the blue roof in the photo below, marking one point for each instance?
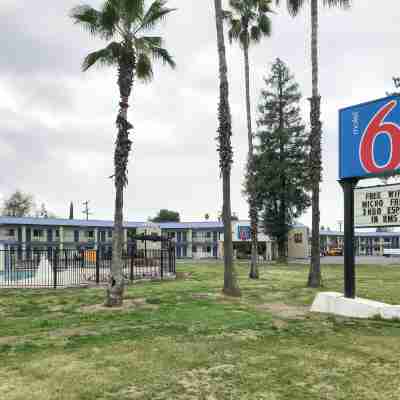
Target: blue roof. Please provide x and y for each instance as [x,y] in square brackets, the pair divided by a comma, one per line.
[68,222]
[192,225]
[106,224]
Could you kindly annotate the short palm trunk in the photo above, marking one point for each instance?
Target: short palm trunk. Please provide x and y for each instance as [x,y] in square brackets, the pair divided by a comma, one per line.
[114,293]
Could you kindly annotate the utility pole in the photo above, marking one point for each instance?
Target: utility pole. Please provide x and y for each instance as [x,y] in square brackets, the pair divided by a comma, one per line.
[86,210]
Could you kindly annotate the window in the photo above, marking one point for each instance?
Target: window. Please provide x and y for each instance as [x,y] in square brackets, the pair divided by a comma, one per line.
[194,249]
[194,234]
[37,233]
[90,234]
[208,235]
[208,249]
[76,236]
[10,232]
[110,234]
[298,238]
[57,233]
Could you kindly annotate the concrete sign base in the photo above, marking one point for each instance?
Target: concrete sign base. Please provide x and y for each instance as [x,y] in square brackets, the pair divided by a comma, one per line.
[336,303]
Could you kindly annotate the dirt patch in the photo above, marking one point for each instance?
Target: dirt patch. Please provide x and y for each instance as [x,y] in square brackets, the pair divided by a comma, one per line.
[72,332]
[211,296]
[284,310]
[279,324]
[183,275]
[128,305]
[8,339]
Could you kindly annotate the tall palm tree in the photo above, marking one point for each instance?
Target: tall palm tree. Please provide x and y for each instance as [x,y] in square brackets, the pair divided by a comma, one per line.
[231,286]
[294,6]
[248,22]
[124,24]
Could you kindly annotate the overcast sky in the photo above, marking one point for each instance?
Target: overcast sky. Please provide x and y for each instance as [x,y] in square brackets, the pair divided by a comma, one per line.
[57,127]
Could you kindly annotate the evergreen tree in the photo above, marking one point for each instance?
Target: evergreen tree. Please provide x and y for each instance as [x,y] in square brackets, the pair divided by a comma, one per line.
[281,156]
[71,211]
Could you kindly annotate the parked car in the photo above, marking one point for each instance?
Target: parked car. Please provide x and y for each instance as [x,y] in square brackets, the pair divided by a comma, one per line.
[335,251]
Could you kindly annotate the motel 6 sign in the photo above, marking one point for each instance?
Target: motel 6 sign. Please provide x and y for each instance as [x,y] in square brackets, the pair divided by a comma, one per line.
[369,140]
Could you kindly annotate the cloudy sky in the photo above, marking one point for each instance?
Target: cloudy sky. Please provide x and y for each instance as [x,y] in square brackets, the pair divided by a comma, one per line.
[57,123]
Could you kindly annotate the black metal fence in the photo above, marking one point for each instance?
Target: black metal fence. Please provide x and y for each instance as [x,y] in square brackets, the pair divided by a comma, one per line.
[22,267]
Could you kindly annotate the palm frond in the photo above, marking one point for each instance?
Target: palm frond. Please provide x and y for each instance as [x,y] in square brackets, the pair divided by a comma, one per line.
[162,55]
[235,29]
[104,57]
[155,14]
[87,17]
[255,34]
[264,6]
[264,24]
[293,6]
[109,17]
[237,5]
[144,69]
[144,43]
[133,9]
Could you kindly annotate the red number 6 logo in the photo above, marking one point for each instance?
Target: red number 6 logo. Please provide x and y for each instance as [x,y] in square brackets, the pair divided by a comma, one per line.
[376,127]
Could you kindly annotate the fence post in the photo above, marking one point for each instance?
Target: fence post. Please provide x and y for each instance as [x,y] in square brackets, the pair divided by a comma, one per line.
[131,267]
[54,253]
[174,262]
[161,261]
[97,266]
[82,262]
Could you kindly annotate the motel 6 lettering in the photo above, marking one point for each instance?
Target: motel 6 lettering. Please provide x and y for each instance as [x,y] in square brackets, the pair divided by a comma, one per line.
[370,138]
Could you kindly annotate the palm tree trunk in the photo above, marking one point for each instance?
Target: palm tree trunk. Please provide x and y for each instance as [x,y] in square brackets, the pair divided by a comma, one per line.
[115,288]
[250,173]
[314,278]
[282,257]
[231,286]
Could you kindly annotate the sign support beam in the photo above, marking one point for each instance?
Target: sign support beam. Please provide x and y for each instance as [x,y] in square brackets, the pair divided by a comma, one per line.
[348,186]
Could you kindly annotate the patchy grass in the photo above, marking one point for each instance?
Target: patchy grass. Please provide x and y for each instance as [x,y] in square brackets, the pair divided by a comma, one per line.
[185,340]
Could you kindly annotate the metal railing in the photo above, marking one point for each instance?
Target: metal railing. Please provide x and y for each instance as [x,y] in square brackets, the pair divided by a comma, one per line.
[53,268]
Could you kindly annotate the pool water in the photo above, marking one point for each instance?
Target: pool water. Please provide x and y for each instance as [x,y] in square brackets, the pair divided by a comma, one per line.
[16,275]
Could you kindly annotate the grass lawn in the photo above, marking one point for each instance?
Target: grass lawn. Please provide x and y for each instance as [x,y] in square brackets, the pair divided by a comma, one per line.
[184,340]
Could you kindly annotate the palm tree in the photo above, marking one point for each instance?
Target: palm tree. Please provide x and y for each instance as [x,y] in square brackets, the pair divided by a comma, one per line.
[124,25]
[248,23]
[294,6]
[231,286]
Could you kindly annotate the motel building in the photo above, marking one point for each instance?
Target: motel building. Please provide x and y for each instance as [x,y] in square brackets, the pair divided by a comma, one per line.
[192,240]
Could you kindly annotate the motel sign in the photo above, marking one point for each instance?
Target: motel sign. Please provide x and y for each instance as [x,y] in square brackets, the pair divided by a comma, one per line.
[369,146]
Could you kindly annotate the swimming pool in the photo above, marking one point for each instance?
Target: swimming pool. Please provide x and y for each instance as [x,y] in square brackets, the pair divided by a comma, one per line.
[7,276]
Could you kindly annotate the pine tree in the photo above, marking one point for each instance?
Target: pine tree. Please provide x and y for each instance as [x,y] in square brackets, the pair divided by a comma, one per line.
[71,211]
[281,156]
